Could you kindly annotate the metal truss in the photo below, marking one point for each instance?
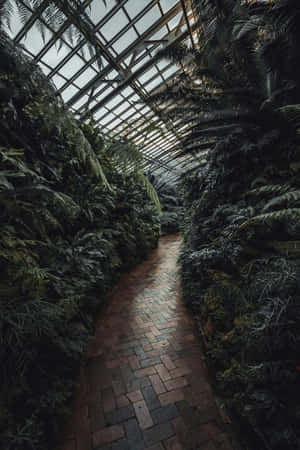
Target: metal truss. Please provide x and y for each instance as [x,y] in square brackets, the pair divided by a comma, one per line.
[116,92]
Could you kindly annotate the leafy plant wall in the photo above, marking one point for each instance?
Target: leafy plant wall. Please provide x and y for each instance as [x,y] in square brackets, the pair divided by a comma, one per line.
[71,222]
[240,275]
[170,198]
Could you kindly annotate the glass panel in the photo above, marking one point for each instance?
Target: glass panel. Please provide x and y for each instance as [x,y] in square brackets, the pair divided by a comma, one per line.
[173,23]
[114,25]
[161,33]
[134,7]
[97,10]
[110,126]
[114,102]
[54,56]
[45,69]
[80,102]
[107,119]
[107,91]
[33,39]
[134,98]
[72,66]
[126,114]
[147,75]
[69,92]
[153,84]
[148,19]
[167,4]
[58,81]
[85,77]
[128,38]
[162,64]
[170,71]
[15,24]
[142,62]
[97,116]
[126,92]
[121,108]
[117,122]
[112,75]
[146,109]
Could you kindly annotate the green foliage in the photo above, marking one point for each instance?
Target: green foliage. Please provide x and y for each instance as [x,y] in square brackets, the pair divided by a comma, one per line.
[171,202]
[71,223]
[240,275]
[265,191]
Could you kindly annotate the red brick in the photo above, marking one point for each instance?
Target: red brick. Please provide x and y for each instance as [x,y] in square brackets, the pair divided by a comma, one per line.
[209,446]
[189,338]
[124,360]
[190,363]
[176,383]
[180,428]
[134,362]
[163,372]
[151,336]
[173,444]
[135,396]
[155,331]
[155,447]
[171,397]
[146,371]
[168,324]
[83,431]
[143,415]
[107,435]
[96,416]
[147,347]
[160,344]
[153,353]
[122,400]
[157,384]
[108,400]
[180,371]
[222,442]
[68,445]
[116,363]
[168,362]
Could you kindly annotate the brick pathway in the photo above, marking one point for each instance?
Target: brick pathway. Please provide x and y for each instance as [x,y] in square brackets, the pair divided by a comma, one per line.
[143,384]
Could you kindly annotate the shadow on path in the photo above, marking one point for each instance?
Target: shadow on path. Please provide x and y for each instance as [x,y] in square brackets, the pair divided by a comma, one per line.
[144,383]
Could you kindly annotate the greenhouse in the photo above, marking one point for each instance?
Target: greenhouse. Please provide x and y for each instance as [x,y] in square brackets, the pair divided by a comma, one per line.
[150,210]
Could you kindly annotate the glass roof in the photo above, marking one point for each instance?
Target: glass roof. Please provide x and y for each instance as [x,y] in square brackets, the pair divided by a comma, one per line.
[115,84]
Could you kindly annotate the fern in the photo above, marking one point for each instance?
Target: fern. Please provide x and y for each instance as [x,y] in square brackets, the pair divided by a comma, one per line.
[292,113]
[265,191]
[275,216]
[284,199]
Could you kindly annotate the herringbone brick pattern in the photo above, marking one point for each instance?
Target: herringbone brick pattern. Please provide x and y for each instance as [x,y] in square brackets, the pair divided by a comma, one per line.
[143,384]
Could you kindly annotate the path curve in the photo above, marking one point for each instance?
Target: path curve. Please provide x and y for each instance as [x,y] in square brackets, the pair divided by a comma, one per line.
[144,382]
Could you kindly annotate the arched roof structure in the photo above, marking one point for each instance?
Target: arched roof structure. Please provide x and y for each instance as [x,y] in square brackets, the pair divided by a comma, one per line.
[114,85]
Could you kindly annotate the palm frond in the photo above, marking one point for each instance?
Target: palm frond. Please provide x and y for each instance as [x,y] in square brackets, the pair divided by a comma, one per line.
[149,188]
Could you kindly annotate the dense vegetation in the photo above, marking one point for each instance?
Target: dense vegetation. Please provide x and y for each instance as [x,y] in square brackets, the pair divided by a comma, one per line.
[170,199]
[71,222]
[241,262]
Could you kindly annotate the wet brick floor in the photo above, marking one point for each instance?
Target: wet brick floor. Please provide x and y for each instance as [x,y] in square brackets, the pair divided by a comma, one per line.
[143,384]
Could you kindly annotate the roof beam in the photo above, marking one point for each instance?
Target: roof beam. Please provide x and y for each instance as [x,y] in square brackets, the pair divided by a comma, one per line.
[158,24]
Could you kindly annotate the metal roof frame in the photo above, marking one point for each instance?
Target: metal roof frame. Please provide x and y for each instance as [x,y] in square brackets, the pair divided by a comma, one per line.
[138,58]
